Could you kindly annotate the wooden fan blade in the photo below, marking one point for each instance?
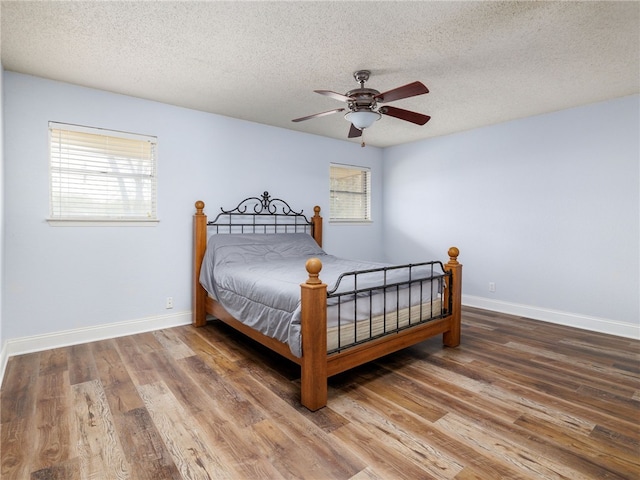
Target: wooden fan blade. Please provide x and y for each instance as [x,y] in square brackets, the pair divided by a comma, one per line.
[316,115]
[334,95]
[354,132]
[409,90]
[403,114]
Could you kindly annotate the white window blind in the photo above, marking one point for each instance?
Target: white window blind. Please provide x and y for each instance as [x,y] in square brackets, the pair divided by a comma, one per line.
[101,175]
[350,193]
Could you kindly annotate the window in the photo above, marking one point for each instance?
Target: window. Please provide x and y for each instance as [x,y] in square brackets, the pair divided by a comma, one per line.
[101,175]
[350,194]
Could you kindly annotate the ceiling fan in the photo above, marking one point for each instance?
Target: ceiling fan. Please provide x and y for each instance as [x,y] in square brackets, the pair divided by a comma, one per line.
[362,104]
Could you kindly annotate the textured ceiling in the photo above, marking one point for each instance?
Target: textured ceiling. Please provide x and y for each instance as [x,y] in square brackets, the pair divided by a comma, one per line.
[483,62]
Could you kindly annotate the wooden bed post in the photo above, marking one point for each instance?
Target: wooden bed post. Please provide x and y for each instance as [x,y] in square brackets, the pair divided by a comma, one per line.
[451,338]
[199,315]
[316,220]
[314,338]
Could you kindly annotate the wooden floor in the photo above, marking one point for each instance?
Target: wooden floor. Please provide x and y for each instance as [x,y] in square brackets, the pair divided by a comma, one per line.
[519,399]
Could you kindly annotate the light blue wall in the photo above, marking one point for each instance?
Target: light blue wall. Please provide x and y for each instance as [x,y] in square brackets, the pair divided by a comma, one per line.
[546,207]
[61,278]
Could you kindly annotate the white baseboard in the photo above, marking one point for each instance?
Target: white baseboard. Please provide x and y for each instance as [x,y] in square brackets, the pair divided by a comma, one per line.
[36,343]
[585,322]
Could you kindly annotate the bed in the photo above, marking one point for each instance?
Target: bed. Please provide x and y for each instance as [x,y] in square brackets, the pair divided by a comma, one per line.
[248,273]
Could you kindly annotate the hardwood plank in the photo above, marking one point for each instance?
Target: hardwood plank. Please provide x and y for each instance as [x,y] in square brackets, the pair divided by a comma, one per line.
[18,409]
[69,470]
[80,364]
[135,352]
[311,445]
[310,432]
[225,430]
[16,453]
[539,411]
[146,451]
[181,435]
[395,430]
[53,442]
[289,392]
[238,446]
[18,395]
[121,392]
[574,413]
[370,447]
[510,365]
[280,450]
[173,374]
[600,455]
[543,459]
[223,355]
[587,372]
[99,449]
[401,393]
[366,474]
[613,404]
[135,428]
[224,396]
[171,343]
[53,361]
[448,395]
[619,444]
[411,422]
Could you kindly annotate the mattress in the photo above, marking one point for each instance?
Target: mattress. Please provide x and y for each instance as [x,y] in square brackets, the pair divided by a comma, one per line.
[257,278]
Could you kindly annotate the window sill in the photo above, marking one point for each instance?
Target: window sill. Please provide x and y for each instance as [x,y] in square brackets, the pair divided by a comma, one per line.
[95,222]
[350,222]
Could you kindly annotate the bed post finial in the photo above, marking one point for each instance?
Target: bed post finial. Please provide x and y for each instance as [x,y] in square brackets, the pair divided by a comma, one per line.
[313,267]
[316,221]
[199,207]
[453,255]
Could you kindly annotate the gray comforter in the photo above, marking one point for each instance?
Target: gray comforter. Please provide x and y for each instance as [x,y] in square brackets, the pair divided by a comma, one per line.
[257,278]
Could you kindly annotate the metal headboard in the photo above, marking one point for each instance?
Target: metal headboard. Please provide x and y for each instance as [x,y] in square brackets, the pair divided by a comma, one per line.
[261,215]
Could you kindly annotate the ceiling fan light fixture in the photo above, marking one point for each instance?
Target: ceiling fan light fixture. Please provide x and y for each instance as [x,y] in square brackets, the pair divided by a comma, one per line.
[362,119]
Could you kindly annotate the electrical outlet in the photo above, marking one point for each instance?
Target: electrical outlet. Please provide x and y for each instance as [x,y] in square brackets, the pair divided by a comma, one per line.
[169,303]
[492,287]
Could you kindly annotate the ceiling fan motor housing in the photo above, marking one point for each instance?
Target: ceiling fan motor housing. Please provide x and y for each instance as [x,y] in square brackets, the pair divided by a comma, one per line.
[362,99]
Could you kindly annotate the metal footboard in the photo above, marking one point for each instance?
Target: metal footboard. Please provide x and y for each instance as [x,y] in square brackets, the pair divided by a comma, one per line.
[368,304]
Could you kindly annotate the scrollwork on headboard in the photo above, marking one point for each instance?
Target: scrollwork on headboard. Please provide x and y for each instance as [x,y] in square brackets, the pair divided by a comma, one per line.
[263,206]
[261,214]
